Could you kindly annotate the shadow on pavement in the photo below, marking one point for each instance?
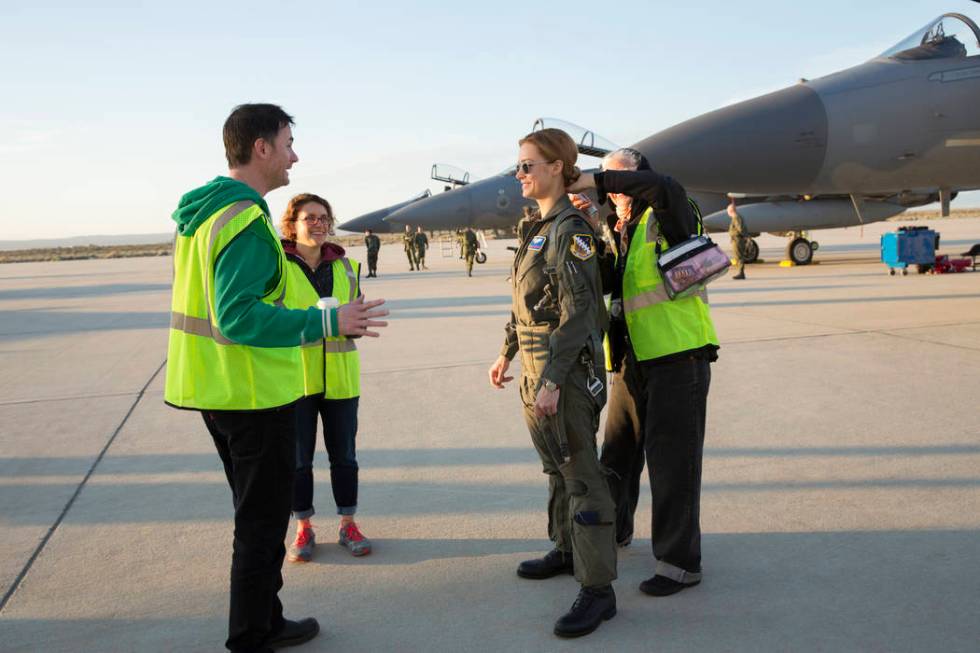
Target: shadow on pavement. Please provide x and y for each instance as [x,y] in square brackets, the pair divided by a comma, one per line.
[442,457]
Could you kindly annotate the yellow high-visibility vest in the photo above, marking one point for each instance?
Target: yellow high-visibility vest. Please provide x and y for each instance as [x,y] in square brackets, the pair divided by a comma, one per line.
[659,326]
[331,366]
[206,370]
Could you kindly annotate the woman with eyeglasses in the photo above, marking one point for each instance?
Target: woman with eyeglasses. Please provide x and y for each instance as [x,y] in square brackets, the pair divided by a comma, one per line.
[319,272]
[557,320]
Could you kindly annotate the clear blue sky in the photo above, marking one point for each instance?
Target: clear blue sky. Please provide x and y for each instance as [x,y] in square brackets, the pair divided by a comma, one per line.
[111,110]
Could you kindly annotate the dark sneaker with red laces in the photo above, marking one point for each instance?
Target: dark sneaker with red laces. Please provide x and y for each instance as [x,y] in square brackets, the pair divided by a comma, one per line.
[301,550]
[354,540]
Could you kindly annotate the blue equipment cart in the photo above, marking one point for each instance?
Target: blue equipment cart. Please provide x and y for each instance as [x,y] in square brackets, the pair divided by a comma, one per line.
[909,246]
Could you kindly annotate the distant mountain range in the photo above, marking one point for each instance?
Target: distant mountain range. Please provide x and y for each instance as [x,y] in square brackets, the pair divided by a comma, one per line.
[77,241]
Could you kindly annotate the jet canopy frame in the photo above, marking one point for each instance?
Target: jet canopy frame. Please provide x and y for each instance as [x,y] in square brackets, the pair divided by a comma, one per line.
[951,36]
[450,174]
[587,141]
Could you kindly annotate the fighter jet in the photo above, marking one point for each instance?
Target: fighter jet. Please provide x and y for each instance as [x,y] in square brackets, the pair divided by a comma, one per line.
[853,147]
[857,146]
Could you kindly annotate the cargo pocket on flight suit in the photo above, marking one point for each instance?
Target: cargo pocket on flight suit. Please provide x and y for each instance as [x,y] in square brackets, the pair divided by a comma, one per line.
[593,518]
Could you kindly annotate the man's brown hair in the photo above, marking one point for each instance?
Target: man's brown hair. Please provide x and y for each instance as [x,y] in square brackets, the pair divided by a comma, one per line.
[247,124]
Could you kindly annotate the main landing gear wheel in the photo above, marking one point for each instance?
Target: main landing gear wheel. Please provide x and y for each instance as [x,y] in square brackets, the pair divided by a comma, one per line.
[750,253]
[801,250]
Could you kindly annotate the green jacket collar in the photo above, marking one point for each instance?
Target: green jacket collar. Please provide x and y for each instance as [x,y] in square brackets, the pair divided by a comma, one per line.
[201,203]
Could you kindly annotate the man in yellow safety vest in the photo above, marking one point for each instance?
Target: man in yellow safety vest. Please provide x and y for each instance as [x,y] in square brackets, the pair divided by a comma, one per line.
[235,355]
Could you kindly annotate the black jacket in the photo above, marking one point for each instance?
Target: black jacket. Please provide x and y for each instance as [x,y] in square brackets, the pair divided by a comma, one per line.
[677,220]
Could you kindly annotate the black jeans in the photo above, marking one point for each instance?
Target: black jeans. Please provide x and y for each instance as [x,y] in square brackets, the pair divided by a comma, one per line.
[258,451]
[339,417]
[659,409]
[622,446]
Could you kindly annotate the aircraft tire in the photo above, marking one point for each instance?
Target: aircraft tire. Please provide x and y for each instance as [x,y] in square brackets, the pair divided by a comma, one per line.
[481,258]
[750,253]
[800,251]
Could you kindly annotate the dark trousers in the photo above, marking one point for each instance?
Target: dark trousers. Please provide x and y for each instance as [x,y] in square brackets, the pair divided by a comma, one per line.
[661,410]
[622,447]
[258,451]
[339,417]
[372,262]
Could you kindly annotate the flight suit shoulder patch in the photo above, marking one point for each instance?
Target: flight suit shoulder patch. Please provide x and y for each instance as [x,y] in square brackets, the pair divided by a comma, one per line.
[537,243]
[582,246]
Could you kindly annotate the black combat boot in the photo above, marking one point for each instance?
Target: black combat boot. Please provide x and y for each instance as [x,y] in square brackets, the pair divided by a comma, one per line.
[553,563]
[593,606]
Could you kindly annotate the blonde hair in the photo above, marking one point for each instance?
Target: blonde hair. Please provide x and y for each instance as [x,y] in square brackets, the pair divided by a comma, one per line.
[556,145]
[287,223]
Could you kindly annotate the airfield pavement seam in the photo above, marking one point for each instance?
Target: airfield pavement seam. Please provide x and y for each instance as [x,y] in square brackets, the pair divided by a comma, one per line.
[423,368]
[844,331]
[47,537]
[18,402]
[930,342]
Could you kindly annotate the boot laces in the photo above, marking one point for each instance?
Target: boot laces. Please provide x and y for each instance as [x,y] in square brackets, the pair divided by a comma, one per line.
[583,600]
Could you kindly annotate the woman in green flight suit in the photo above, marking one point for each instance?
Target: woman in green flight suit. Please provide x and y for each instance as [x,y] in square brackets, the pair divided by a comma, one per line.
[556,324]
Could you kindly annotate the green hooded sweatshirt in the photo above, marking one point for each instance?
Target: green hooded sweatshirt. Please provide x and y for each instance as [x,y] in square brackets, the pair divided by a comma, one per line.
[245,272]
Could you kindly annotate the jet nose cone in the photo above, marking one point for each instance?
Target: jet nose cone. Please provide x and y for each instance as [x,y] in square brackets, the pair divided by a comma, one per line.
[775,143]
[448,210]
[373,221]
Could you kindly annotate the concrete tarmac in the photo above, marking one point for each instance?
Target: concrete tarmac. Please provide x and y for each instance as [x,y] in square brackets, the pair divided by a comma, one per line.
[841,502]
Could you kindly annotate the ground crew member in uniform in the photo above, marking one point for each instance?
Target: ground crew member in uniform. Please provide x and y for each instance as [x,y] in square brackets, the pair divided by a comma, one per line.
[373,245]
[736,232]
[234,354]
[421,244]
[318,268]
[460,242]
[409,239]
[556,324]
[663,355]
[470,247]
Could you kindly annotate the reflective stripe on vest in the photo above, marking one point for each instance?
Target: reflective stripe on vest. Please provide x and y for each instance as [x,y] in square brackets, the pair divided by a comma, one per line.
[205,369]
[301,294]
[331,367]
[343,363]
[657,325]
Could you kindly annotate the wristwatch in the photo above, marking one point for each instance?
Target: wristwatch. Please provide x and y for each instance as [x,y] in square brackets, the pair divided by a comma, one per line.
[549,385]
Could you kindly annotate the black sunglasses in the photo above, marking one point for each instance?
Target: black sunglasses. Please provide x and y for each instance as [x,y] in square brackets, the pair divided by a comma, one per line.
[524,167]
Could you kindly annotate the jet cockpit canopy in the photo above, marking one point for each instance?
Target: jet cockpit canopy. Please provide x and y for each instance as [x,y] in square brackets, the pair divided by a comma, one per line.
[589,143]
[951,36]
